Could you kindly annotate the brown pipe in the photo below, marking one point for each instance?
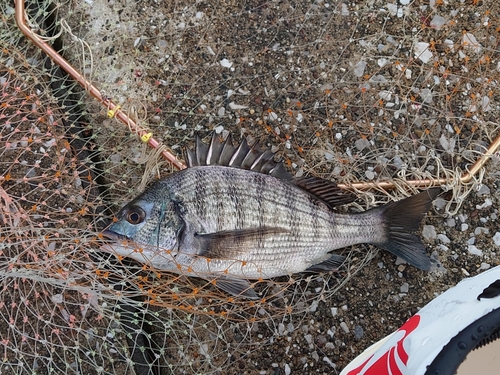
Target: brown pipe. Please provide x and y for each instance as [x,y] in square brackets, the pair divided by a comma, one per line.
[112,108]
[122,116]
[465,178]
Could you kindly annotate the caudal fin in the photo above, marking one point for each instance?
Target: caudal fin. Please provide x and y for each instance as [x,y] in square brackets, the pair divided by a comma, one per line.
[401,220]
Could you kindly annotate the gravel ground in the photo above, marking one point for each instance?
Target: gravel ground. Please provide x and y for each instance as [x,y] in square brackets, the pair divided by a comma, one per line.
[366,91]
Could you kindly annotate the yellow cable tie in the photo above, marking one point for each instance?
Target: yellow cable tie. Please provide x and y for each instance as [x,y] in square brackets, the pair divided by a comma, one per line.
[112,112]
[145,137]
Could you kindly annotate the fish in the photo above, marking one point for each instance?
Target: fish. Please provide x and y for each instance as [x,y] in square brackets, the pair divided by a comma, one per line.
[236,215]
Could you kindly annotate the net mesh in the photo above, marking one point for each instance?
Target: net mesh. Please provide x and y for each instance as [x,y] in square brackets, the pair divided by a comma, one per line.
[371,91]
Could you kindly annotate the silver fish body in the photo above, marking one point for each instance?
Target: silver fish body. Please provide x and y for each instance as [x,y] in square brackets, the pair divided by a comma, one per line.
[231,225]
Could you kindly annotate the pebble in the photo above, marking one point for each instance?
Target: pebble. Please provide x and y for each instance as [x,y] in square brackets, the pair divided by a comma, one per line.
[483,190]
[288,370]
[359,68]
[335,310]
[404,288]
[226,63]
[422,52]
[496,238]
[443,238]
[440,203]
[236,107]
[474,250]
[429,232]
[487,203]
[481,230]
[437,22]
[470,42]
[362,143]
[314,306]
[450,222]
[358,332]
[344,327]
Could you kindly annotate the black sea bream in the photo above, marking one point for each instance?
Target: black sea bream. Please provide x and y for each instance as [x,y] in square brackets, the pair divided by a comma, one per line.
[236,215]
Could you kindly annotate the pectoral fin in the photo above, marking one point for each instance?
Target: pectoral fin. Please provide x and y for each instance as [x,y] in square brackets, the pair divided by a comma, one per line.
[231,244]
[235,286]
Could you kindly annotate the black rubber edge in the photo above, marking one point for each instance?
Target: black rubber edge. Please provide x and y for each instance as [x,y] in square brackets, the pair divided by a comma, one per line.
[455,352]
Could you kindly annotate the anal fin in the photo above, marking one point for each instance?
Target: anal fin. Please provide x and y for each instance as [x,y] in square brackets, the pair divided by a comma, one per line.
[331,264]
[235,286]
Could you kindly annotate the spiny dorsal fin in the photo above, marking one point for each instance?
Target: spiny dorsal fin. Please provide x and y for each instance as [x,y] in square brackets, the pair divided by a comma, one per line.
[243,156]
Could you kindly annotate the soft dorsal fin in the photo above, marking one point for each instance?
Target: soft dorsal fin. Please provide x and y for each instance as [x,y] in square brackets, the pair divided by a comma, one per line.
[325,190]
[242,156]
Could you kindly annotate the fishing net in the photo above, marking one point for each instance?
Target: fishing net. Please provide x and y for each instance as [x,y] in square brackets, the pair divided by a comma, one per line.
[372,91]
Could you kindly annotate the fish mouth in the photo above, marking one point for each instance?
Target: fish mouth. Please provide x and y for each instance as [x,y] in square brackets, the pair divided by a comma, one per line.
[109,234]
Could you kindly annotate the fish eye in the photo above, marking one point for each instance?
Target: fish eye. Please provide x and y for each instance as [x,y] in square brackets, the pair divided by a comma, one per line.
[136,215]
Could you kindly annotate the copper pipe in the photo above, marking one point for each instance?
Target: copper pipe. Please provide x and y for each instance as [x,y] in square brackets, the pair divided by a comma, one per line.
[110,106]
[465,178]
[122,116]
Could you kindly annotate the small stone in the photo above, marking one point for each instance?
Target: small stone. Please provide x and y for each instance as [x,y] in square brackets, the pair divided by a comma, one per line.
[344,327]
[226,63]
[404,288]
[464,227]
[481,230]
[443,238]
[422,52]
[362,143]
[470,42]
[401,267]
[335,310]
[358,332]
[487,203]
[437,22]
[359,68]
[483,190]
[440,204]
[314,306]
[474,250]
[288,371]
[496,238]
[429,232]
[370,175]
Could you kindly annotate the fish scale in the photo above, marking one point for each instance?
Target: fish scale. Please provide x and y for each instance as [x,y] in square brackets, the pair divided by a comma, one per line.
[235,215]
[282,206]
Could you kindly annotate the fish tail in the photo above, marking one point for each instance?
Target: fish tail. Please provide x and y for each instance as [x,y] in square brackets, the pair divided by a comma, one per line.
[401,219]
